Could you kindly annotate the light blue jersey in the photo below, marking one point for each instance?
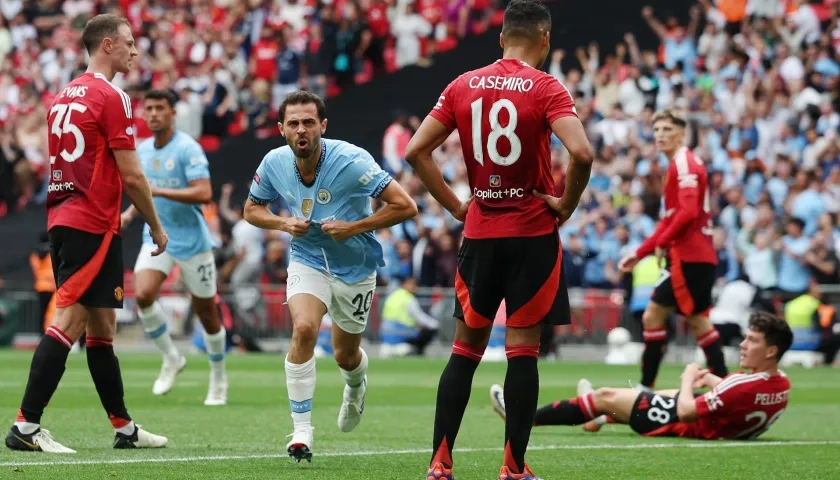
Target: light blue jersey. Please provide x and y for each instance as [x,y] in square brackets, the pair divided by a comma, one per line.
[345,178]
[174,166]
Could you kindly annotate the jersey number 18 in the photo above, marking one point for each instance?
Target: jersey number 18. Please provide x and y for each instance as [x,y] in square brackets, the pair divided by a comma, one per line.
[496,132]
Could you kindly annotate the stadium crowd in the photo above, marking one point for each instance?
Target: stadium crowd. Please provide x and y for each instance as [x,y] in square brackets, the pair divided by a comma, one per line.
[231,62]
[758,81]
[760,88]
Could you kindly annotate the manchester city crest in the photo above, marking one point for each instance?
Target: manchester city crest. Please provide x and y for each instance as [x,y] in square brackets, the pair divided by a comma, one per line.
[324,196]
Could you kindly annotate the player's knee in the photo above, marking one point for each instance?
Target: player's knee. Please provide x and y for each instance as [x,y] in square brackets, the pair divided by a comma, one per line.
[699,325]
[652,319]
[602,397]
[305,332]
[206,310]
[145,297]
[346,358]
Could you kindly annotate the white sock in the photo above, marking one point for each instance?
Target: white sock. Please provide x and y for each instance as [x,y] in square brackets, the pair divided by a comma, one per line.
[356,377]
[27,428]
[602,420]
[155,324]
[300,382]
[215,345]
[127,429]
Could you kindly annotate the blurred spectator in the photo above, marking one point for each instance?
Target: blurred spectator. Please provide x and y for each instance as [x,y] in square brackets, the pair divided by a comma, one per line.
[231,62]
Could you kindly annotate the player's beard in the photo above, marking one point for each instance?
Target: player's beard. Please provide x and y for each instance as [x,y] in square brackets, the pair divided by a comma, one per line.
[305,152]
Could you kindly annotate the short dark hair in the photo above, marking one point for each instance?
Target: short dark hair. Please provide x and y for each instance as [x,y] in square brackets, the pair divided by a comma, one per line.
[161,94]
[777,332]
[528,19]
[101,27]
[302,97]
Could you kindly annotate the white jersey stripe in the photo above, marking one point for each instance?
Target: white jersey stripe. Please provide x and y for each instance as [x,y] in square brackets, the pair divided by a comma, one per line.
[736,380]
[126,101]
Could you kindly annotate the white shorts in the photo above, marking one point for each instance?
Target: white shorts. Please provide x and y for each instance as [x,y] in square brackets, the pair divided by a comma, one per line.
[198,273]
[348,305]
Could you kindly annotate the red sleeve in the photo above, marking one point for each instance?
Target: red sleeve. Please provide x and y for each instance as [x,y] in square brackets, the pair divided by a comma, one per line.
[557,100]
[444,109]
[649,245]
[731,392]
[688,208]
[117,119]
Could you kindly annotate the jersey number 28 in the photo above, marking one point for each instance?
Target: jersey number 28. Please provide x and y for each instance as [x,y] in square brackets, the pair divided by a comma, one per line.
[63,124]
[496,132]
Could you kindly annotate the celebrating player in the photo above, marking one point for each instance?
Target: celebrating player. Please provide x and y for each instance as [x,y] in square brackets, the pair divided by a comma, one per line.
[91,146]
[504,114]
[739,406]
[685,235]
[327,185]
[178,171]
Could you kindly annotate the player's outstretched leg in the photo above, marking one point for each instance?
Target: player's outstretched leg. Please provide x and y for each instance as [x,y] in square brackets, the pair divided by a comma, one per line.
[155,323]
[521,391]
[353,363]
[708,338]
[656,341]
[453,395]
[107,378]
[45,372]
[307,312]
[579,410]
[215,338]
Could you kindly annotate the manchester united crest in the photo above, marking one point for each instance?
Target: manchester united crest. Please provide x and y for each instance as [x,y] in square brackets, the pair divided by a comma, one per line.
[118,294]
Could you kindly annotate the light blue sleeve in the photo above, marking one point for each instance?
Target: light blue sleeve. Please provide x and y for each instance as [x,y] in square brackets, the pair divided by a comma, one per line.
[368,175]
[194,161]
[263,190]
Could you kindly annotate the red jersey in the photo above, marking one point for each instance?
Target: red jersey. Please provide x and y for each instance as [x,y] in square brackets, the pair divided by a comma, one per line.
[741,407]
[686,230]
[87,120]
[503,113]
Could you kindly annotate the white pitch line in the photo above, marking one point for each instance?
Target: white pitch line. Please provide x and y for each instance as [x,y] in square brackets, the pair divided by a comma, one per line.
[374,453]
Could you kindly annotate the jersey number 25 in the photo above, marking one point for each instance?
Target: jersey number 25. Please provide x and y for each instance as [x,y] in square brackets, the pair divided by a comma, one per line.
[496,132]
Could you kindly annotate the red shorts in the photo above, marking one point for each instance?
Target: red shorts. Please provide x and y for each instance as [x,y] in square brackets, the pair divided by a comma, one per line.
[527,272]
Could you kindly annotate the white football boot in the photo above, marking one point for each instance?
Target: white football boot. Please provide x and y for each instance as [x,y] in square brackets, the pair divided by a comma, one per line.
[497,399]
[217,393]
[140,439]
[350,414]
[300,447]
[168,372]
[40,441]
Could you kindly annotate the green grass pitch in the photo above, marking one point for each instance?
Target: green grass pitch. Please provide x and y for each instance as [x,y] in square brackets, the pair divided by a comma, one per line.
[246,438]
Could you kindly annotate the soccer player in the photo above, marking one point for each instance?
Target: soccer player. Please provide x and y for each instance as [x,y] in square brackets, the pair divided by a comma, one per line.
[505,114]
[739,406]
[685,235]
[327,185]
[178,171]
[92,156]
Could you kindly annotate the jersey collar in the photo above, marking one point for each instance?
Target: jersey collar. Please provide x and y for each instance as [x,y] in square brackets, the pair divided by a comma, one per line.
[317,167]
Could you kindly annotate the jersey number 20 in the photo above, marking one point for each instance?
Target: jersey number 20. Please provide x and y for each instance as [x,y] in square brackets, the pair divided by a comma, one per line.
[63,124]
[496,132]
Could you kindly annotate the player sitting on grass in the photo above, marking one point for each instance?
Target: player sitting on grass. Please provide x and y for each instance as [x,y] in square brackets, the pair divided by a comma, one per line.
[739,406]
